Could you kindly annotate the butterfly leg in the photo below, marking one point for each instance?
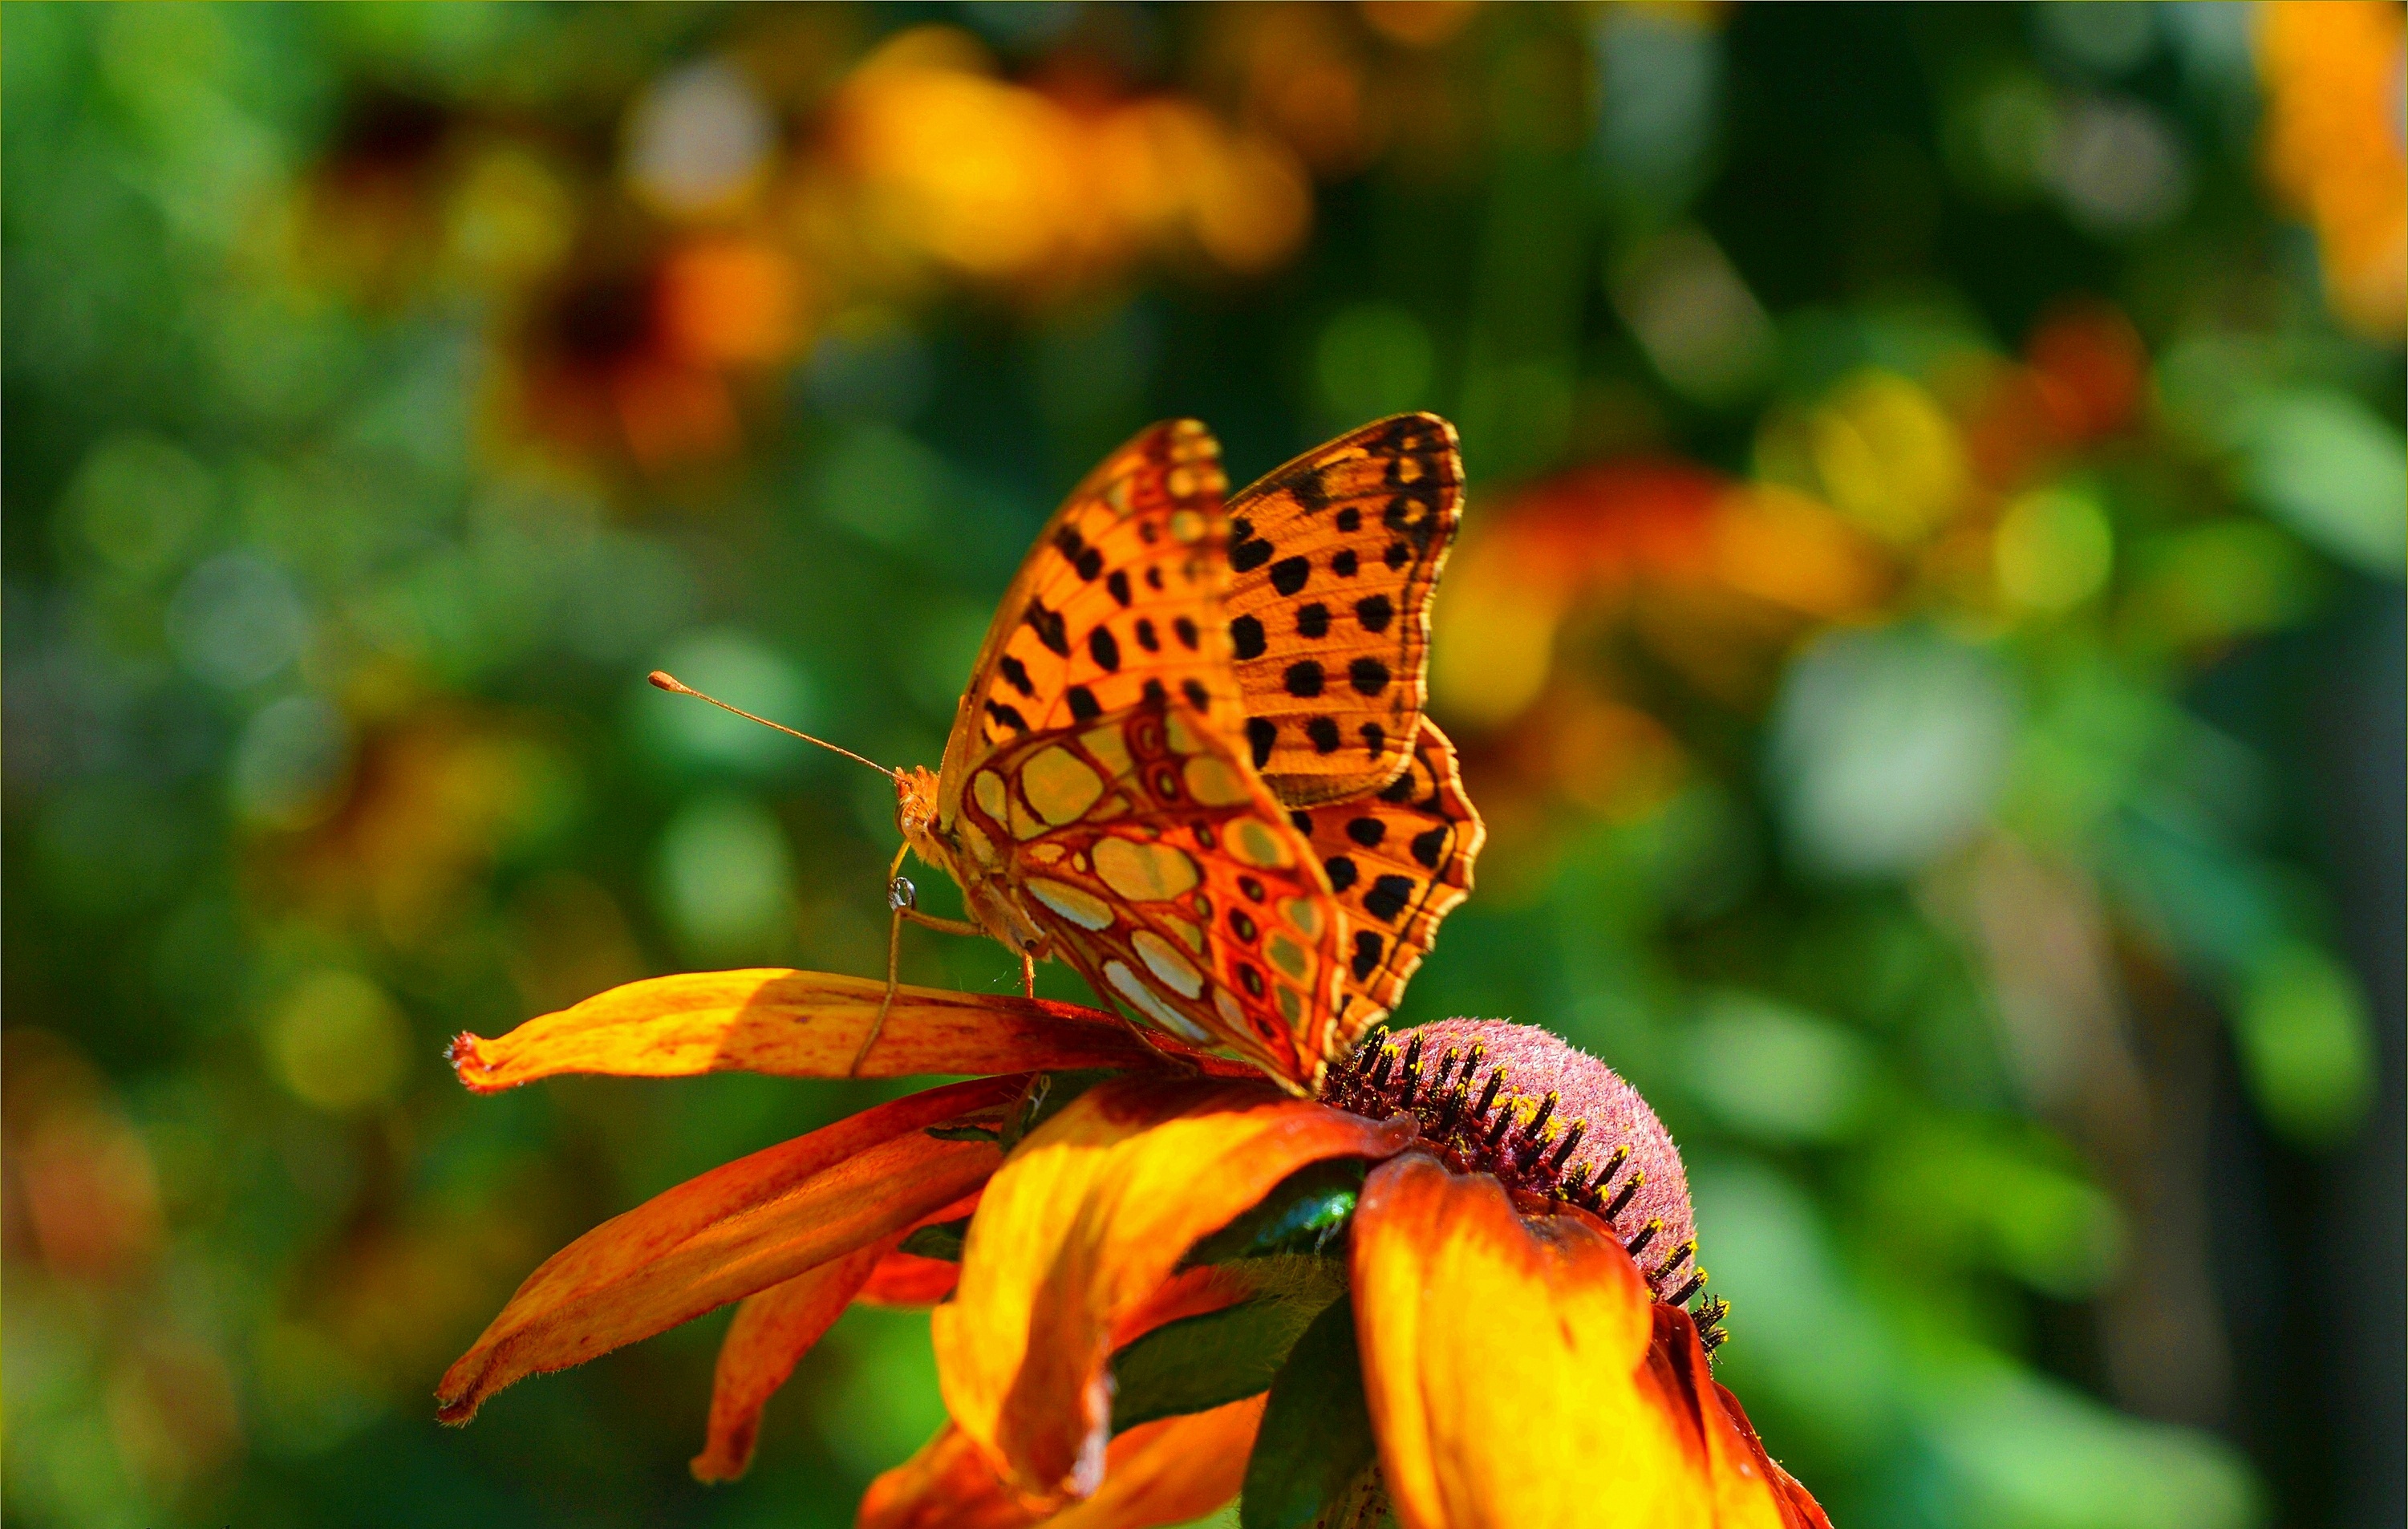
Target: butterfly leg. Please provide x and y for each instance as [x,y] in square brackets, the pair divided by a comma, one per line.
[902,898]
[1027,974]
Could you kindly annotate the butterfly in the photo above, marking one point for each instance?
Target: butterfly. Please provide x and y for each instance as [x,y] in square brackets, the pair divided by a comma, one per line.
[1103,796]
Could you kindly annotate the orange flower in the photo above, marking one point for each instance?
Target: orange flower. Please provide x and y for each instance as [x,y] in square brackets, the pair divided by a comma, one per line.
[1178,1282]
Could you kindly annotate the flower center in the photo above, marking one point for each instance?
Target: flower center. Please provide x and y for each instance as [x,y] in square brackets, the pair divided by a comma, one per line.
[1548,1120]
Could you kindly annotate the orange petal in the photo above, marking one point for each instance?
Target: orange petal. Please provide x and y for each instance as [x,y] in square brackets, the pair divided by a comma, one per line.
[796,1024]
[1167,1471]
[1513,1373]
[772,1331]
[742,1227]
[1080,1228]
[910,1283]
[908,1280]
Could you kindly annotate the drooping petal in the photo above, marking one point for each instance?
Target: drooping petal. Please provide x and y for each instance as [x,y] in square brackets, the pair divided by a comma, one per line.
[1168,1471]
[1513,1374]
[1079,1230]
[796,1024]
[772,1331]
[739,1228]
[775,1327]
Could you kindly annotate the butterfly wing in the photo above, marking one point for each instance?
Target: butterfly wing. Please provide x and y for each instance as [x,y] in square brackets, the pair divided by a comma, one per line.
[1119,599]
[1164,871]
[1399,862]
[1334,558]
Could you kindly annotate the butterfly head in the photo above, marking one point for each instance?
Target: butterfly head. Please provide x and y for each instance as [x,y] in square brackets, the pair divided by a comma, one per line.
[915,814]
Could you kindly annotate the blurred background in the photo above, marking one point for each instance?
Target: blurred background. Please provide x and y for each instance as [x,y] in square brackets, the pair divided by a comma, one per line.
[1927,640]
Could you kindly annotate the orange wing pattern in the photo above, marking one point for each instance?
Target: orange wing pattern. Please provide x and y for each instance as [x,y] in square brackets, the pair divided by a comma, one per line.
[1334,558]
[1163,869]
[1399,862]
[1119,599]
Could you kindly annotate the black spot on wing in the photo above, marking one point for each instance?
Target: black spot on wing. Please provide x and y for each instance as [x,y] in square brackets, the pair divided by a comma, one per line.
[1309,490]
[1246,635]
[1345,564]
[1104,648]
[1367,832]
[1387,897]
[1350,519]
[1398,554]
[1303,820]
[1312,620]
[1016,673]
[1154,693]
[1083,703]
[1186,631]
[1398,790]
[1246,556]
[1261,734]
[1366,955]
[1369,676]
[1323,730]
[1118,583]
[1008,715]
[1375,740]
[1430,845]
[1374,612]
[1342,873]
[1303,678]
[1048,626]
[1146,637]
[1198,696]
[1289,574]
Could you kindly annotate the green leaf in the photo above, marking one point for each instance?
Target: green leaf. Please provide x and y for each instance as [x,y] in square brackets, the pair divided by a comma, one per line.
[1316,1434]
[1200,1363]
[1305,1213]
[941,1240]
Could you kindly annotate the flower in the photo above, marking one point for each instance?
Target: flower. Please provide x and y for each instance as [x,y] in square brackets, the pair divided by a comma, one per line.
[1452,1287]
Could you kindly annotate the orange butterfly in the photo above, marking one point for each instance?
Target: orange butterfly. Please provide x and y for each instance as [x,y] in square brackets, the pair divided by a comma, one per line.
[1101,796]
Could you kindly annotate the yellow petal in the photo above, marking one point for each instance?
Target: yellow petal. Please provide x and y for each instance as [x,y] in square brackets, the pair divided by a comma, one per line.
[796,1024]
[739,1228]
[772,1331]
[1168,1471]
[1513,1371]
[1082,1228]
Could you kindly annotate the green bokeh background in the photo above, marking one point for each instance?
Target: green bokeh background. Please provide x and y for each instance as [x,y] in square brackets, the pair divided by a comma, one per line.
[338,541]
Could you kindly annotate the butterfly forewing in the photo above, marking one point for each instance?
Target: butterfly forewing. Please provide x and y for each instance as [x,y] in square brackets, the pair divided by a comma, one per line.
[1333,558]
[1119,599]
[1399,860]
[1167,874]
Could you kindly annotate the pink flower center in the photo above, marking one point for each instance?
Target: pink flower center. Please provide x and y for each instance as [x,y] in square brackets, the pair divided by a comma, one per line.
[1548,1120]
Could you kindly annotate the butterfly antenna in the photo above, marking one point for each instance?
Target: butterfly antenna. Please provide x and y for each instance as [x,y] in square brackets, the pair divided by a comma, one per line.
[669,682]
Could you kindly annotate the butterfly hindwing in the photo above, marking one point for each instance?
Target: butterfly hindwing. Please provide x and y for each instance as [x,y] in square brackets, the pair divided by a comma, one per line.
[1399,862]
[1166,873]
[1119,599]
[1333,560]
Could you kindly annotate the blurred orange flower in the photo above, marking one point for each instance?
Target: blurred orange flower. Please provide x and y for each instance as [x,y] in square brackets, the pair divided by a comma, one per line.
[997,181]
[1516,1347]
[2333,73]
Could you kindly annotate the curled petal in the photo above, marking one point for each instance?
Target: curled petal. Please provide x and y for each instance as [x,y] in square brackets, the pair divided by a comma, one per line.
[739,1228]
[1519,1375]
[796,1024]
[772,1331]
[1168,1471]
[1079,1230]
